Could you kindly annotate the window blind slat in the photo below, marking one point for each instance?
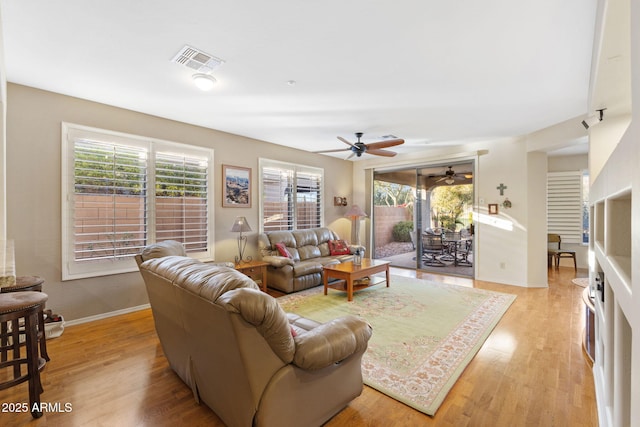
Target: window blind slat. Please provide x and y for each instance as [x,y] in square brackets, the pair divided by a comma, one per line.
[181,205]
[291,196]
[109,213]
[564,205]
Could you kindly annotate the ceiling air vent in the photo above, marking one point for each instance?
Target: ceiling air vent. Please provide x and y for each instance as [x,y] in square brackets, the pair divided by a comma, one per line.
[197,60]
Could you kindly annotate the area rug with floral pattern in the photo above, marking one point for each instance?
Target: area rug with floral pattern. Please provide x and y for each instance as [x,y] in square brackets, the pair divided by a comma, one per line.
[424,332]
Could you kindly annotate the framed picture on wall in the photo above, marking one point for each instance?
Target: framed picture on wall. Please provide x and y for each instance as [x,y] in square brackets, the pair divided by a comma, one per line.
[493,209]
[236,190]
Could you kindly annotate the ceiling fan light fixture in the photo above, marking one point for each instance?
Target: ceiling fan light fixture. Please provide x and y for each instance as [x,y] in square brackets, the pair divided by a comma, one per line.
[203,81]
[449,181]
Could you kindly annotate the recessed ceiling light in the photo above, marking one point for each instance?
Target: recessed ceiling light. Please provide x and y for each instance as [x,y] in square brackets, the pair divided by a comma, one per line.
[291,82]
[204,81]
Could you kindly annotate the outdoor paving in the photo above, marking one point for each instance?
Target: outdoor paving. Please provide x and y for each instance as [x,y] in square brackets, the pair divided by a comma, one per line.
[402,254]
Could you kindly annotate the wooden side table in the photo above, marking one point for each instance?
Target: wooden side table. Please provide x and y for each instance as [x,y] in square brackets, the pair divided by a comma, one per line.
[257,270]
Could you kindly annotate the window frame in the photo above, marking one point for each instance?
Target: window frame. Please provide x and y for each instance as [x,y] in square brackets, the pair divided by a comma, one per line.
[73,269]
[295,168]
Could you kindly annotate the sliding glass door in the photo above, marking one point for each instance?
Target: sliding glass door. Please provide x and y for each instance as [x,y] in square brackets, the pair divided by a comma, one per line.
[422,218]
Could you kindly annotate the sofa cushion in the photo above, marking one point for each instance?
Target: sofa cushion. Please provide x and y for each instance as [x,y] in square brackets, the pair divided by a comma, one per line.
[264,312]
[328,260]
[303,268]
[324,249]
[206,281]
[305,238]
[162,249]
[324,234]
[343,258]
[281,237]
[308,252]
[277,261]
[169,266]
[331,342]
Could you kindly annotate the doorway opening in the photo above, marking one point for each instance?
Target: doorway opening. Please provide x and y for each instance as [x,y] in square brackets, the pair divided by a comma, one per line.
[423,218]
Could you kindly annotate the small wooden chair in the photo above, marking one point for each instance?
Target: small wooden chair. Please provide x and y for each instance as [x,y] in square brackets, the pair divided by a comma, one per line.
[557,254]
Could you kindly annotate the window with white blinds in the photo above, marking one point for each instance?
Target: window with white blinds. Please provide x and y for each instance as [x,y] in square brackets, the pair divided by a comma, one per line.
[564,205]
[291,196]
[182,186]
[308,199]
[109,210]
[122,192]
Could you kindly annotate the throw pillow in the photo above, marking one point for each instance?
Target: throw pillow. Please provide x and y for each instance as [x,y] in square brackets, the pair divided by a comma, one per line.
[338,247]
[282,250]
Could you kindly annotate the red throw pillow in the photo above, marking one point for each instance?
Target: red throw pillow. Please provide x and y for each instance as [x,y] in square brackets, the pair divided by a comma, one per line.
[338,247]
[282,249]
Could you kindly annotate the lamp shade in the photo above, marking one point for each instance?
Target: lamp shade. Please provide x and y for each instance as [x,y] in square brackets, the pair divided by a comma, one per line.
[240,224]
[355,212]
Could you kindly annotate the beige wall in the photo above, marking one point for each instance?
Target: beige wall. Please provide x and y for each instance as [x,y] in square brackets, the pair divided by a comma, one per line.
[34,191]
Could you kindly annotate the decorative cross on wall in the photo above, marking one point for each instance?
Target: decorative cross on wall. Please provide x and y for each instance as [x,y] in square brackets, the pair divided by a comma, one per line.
[501,187]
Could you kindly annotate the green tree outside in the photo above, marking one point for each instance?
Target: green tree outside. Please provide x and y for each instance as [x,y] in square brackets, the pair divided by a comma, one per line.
[392,194]
[449,203]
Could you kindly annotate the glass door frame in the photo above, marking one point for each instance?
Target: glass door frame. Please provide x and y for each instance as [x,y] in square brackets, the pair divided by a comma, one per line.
[419,201]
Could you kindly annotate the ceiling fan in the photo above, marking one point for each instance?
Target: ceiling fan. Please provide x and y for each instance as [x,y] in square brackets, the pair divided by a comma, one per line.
[450,176]
[375,148]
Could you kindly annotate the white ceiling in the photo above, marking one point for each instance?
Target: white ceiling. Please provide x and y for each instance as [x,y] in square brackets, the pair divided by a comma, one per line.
[431,72]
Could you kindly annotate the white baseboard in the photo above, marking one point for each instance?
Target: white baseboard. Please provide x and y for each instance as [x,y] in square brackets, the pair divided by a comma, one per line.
[106,315]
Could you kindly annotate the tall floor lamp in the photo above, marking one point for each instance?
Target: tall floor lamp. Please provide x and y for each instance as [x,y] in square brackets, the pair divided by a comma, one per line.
[240,225]
[355,213]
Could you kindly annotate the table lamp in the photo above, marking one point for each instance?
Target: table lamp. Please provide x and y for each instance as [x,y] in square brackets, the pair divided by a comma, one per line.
[240,225]
[355,213]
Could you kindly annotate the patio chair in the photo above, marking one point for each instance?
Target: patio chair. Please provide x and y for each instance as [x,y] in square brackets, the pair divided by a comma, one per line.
[463,251]
[432,248]
[450,240]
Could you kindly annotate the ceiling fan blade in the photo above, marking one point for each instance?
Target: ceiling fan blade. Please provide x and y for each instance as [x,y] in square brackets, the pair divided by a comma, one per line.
[351,155]
[385,144]
[442,179]
[345,141]
[377,152]
[332,151]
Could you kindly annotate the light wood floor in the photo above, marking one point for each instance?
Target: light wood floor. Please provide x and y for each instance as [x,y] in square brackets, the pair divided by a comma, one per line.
[530,372]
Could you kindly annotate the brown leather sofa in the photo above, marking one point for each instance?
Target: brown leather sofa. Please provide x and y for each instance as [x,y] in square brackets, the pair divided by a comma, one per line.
[251,363]
[309,250]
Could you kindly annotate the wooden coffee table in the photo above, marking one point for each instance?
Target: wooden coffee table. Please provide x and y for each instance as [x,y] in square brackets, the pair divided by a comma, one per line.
[350,276]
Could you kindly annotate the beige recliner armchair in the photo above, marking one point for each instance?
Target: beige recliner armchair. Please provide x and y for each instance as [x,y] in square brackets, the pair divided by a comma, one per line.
[241,354]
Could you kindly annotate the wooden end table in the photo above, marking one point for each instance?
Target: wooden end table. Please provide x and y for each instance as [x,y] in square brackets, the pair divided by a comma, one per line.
[257,270]
[350,273]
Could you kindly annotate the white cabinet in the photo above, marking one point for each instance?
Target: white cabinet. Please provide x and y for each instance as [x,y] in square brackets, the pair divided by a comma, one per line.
[611,280]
